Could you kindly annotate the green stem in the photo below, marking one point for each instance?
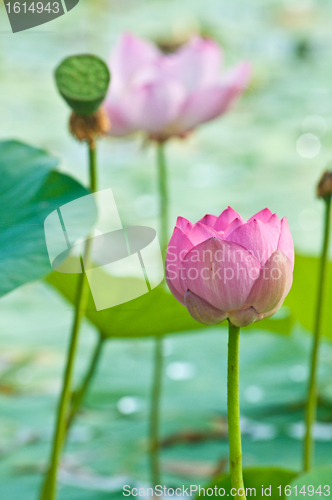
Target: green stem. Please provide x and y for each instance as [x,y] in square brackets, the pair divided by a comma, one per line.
[163,192]
[78,396]
[311,410]
[154,445]
[49,490]
[93,166]
[233,403]
[155,412]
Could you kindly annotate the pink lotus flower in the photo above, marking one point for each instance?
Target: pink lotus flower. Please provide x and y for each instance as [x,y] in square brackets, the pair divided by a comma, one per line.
[169,95]
[224,267]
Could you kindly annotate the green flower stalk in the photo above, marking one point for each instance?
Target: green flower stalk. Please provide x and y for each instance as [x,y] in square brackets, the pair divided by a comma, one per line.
[83,82]
[324,191]
[78,396]
[233,405]
[155,413]
[163,192]
[154,445]
[49,491]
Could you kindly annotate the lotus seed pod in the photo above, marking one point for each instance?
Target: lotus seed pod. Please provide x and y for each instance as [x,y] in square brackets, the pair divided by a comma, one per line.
[83,82]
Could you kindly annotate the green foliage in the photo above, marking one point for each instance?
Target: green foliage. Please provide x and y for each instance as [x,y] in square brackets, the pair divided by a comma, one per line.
[319,481]
[256,478]
[155,313]
[29,190]
[302,297]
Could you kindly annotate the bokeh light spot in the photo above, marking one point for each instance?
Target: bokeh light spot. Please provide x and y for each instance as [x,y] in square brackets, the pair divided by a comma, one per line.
[181,371]
[308,145]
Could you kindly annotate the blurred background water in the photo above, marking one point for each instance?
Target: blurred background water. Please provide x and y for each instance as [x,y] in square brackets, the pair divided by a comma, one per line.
[270,151]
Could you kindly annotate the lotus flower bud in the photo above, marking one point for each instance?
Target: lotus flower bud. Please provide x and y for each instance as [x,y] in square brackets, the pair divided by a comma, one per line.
[324,188]
[226,267]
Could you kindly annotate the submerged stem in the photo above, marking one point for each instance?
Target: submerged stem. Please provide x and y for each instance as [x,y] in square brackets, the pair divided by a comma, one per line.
[311,410]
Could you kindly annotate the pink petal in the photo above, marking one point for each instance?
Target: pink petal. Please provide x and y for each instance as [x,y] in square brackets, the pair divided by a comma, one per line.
[196,64]
[285,243]
[150,107]
[272,312]
[204,105]
[233,225]
[201,311]
[155,105]
[177,249]
[120,123]
[171,283]
[243,317]
[259,238]
[237,79]
[208,220]
[207,103]
[200,233]
[275,223]
[184,224]
[225,219]
[130,55]
[273,283]
[263,215]
[219,272]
